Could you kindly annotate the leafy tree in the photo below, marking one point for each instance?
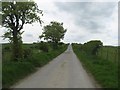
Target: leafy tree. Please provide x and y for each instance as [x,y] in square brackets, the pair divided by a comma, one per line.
[92,47]
[0,13]
[14,16]
[53,32]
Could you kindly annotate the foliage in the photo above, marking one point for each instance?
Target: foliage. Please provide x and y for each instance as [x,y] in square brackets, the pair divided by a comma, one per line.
[6,48]
[14,16]
[40,59]
[61,43]
[43,46]
[14,71]
[27,52]
[53,32]
[92,47]
[104,71]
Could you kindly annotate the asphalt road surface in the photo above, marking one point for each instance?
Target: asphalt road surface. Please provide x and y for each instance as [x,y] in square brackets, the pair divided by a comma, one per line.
[65,71]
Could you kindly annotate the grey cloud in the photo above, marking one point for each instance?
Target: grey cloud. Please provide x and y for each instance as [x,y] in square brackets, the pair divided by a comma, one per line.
[88,14]
[90,25]
[87,8]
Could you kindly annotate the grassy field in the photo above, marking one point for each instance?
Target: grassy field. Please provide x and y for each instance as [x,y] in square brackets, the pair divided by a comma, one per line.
[13,71]
[109,53]
[104,71]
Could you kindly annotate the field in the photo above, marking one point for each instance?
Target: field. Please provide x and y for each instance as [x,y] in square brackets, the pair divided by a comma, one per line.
[104,71]
[109,53]
[14,71]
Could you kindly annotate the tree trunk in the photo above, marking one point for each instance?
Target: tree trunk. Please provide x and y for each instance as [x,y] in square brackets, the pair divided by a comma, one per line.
[17,54]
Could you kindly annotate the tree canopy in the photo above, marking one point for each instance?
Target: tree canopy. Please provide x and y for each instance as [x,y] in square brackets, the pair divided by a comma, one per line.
[14,16]
[53,32]
[92,47]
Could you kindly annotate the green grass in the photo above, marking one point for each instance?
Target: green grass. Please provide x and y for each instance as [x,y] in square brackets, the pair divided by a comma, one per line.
[109,53]
[14,71]
[104,71]
[42,58]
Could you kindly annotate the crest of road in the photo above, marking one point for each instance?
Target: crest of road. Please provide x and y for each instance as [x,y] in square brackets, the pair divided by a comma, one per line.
[65,71]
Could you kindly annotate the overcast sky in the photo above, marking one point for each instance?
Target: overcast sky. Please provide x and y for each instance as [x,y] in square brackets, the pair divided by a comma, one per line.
[84,21]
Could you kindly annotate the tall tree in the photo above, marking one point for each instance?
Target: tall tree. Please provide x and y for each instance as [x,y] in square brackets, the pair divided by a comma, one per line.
[14,16]
[53,32]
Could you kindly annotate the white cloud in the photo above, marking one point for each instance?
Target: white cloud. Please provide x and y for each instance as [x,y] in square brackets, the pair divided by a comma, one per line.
[76,0]
[103,16]
[75,33]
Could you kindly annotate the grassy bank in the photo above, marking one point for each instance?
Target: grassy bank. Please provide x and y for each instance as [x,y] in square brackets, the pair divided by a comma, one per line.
[14,71]
[104,71]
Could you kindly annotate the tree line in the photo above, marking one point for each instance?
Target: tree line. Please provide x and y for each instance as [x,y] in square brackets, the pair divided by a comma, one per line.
[91,47]
[16,14]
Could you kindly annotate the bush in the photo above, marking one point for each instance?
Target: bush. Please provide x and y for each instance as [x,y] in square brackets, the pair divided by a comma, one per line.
[61,43]
[92,47]
[27,52]
[43,46]
[6,49]
[39,59]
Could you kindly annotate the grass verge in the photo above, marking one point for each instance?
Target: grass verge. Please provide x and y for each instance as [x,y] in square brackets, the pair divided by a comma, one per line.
[104,71]
[14,71]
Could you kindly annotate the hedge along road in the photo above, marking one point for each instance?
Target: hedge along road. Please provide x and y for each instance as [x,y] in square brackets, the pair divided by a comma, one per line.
[65,71]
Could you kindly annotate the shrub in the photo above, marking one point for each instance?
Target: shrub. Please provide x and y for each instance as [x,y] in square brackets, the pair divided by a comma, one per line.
[43,46]
[27,52]
[6,48]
